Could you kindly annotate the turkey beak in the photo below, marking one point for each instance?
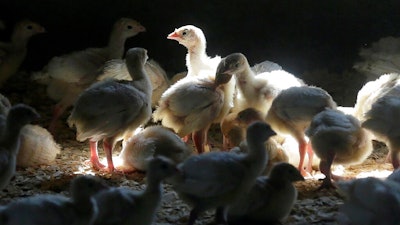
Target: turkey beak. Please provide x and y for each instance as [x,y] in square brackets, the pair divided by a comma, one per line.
[173,36]
[142,29]
[42,30]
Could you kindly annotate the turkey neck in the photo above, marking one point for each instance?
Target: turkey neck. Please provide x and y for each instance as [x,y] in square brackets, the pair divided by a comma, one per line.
[153,191]
[257,154]
[196,57]
[19,41]
[140,80]
[154,187]
[116,46]
[245,78]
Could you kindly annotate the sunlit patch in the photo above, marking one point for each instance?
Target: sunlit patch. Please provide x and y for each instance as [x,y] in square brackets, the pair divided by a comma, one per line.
[86,167]
[378,173]
[374,173]
[138,130]
[338,170]
[116,160]
[84,170]
[317,176]
[341,171]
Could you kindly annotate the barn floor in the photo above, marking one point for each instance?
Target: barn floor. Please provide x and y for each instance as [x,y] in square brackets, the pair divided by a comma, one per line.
[312,207]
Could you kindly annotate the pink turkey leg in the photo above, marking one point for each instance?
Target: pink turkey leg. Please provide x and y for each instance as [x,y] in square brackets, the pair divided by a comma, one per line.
[325,167]
[310,154]
[186,138]
[94,158]
[302,152]
[108,150]
[198,140]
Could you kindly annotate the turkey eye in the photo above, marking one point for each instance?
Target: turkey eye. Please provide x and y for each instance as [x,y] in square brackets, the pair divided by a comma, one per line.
[29,27]
[184,33]
[236,65]
[129,27]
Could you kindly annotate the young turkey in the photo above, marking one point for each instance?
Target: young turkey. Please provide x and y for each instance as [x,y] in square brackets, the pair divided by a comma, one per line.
[13,53]
[215,180]
[68,75]
[291,113]
[111,110]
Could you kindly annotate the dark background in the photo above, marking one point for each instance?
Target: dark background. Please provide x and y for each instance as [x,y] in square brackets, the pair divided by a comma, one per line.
[300,35]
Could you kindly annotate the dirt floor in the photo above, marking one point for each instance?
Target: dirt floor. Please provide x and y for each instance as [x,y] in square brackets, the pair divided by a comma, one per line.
[312,207]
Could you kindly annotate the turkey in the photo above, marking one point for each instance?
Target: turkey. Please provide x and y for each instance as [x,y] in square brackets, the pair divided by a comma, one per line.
[337,138]
[95,119]
[255,90]
[215,180]
[291,113]
[12,54]
[68,75]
